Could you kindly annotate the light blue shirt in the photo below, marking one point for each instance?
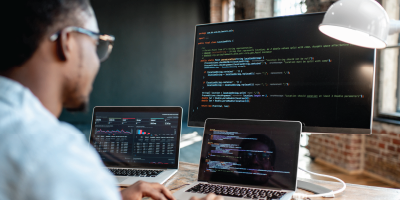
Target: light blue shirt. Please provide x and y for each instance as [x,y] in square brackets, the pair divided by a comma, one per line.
[42,158]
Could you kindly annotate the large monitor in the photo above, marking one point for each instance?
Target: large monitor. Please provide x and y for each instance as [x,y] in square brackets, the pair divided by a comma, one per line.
[281,68]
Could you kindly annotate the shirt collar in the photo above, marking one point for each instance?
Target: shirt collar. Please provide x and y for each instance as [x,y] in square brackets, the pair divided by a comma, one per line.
[12,92]
[19,97]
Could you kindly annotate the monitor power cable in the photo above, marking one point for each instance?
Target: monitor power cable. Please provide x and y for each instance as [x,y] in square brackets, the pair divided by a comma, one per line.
[298,196]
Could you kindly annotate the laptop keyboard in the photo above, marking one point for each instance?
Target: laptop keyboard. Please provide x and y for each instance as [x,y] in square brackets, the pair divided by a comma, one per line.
[136,172]
[239,192]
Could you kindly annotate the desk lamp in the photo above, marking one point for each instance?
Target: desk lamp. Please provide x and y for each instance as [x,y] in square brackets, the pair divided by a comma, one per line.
[359,22]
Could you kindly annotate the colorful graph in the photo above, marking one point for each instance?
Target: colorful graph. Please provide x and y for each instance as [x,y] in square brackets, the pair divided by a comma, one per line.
[112,131]
[141,132]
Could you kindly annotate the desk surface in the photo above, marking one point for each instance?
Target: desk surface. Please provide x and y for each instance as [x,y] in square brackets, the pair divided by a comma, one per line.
[188,174]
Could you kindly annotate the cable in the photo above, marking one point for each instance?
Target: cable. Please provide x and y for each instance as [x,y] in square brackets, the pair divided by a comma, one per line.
[302,196]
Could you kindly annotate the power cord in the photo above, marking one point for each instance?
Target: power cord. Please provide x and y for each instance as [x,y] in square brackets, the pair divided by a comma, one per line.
[303,196]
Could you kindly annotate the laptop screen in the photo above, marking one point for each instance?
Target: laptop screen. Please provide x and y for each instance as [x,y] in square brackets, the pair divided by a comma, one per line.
[251,153]
[137,136]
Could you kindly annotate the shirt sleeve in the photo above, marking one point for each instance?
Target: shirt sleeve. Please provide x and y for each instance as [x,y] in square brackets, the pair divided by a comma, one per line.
[65,167]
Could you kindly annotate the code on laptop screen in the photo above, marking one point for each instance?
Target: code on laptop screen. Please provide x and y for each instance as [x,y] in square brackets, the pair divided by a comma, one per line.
[263,154]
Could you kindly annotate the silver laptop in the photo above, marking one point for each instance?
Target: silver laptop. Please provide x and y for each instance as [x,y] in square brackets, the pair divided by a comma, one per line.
[247,159]
[138,143]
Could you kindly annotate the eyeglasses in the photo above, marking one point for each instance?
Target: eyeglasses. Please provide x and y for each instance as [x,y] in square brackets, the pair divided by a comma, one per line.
[258,156]
[104,42]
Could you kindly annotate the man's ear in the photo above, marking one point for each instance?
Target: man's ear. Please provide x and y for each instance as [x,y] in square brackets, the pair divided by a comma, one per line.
[63,48]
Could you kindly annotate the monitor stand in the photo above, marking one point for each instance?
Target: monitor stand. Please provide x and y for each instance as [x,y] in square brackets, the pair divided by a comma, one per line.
[316,189]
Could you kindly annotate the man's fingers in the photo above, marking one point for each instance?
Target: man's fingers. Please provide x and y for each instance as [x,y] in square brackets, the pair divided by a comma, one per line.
[163,190]
[219,197]
[153,193]
[210,196]
[152,190]
[167,192]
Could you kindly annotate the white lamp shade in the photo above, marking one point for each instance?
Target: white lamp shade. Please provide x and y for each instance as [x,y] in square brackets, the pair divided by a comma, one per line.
[360,22]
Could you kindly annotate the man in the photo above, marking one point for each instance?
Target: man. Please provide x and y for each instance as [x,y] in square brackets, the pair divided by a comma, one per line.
[50,62]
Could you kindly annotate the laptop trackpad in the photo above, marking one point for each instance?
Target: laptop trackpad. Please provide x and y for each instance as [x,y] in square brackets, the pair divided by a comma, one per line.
[121,179]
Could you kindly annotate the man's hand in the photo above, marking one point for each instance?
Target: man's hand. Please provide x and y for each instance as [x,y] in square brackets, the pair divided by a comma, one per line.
[210,196]
[144,189]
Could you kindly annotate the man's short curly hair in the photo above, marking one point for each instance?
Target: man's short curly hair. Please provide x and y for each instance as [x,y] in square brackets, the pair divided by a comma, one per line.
[28,22]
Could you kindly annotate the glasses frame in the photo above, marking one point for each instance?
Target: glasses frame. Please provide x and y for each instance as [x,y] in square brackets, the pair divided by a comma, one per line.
[97,36]
[257,156]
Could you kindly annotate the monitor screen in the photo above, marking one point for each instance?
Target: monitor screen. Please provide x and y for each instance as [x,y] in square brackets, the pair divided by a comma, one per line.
[137,136]
[281,68]
[253,153]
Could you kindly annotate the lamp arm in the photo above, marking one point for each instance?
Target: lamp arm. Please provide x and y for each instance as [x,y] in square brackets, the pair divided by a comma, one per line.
[394,26]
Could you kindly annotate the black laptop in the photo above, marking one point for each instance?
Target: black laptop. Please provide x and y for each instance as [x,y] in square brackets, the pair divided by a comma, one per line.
[247,159]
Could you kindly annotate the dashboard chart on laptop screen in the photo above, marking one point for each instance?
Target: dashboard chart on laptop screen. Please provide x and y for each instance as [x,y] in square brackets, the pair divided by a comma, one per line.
[136,137]
[280,68]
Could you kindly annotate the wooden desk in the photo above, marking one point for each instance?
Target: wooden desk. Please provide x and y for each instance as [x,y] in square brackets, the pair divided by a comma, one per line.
[188,174]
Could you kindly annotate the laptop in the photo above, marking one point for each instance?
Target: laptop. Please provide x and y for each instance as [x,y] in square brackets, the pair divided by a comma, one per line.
[138,143]
[247,159]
